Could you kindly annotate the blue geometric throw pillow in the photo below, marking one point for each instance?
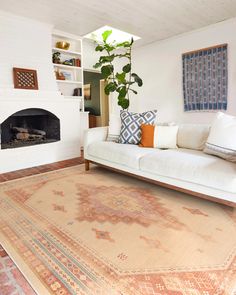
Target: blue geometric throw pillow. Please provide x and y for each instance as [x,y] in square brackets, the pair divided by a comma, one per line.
[130,125]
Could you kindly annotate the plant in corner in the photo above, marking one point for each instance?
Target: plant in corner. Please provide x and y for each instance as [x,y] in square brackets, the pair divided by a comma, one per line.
[120,82]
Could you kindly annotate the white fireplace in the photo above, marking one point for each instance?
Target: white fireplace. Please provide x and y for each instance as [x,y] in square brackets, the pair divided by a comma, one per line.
[26,43]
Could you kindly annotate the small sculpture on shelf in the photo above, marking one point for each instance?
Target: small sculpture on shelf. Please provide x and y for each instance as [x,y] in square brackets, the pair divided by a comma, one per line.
[68,62]
[63,45]
[56,58]
[59,76]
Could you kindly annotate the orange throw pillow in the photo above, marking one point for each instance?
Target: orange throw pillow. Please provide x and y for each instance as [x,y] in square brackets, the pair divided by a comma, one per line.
[147,135]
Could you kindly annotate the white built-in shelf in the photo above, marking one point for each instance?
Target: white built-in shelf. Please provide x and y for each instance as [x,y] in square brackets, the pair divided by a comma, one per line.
[73,97]
[70,81]
[75,73]
[66,66]
[54,49]
[68,87]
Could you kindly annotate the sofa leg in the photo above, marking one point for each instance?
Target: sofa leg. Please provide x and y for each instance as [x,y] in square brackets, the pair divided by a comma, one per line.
[87,165]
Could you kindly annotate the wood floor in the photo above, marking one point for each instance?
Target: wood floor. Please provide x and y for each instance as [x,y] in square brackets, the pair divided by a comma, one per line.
[40,169]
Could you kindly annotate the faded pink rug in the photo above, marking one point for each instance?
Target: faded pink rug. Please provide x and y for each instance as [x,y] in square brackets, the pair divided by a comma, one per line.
[98,232]
[12,282]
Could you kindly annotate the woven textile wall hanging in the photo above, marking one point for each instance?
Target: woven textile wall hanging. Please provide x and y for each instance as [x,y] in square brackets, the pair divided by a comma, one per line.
[205,79]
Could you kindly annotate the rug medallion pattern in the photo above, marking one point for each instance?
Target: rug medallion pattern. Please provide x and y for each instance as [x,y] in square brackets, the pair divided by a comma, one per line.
[97,232]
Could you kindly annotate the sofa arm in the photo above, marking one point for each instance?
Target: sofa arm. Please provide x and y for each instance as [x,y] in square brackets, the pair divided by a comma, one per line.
[92,135]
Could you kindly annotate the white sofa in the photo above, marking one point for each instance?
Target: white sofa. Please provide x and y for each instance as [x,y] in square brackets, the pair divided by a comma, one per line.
[186,168]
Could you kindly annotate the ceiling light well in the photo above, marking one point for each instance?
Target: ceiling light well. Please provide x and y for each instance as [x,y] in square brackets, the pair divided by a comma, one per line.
[117,36]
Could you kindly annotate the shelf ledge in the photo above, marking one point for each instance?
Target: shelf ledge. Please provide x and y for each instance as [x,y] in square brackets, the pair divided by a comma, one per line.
[69,81]
[66,66]
[66,51]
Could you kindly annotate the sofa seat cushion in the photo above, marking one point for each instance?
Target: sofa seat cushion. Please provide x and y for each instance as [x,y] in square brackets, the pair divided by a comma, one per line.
[123,154]
[192,166]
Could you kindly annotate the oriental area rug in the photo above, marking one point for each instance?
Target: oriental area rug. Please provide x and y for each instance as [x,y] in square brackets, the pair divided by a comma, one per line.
[99,232]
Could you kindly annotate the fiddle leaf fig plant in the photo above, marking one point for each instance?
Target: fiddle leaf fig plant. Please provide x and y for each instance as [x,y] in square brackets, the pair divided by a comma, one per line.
[121,82]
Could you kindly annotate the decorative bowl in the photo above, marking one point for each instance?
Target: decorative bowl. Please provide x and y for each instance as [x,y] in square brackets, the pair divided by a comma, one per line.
[63,45]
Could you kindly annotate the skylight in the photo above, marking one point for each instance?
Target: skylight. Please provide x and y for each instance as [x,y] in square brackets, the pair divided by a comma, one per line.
[116,36]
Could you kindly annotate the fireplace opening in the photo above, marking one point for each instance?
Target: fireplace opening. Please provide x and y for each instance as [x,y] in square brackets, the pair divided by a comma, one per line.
[29,127]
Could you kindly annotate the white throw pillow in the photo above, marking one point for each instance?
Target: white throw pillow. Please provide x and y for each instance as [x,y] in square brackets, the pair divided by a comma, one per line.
[222,138]
[165,137]
[114,128]
[193,136]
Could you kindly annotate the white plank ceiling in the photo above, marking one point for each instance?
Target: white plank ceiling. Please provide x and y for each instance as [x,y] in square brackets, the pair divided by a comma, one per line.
[152,20]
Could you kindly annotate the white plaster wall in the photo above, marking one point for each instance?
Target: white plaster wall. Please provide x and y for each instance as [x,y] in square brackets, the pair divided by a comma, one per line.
[90,56]
[25,43]
[160,66]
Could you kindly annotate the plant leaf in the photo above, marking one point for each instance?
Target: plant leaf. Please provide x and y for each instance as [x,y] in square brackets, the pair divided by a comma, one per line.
[106,34]
[127,68]
[106,71]
[137,79]
[110,87]
[99,48]
[122,92]
[105,59]
[124,103]
[97,65]
[121,77]
[124,44]
[109,47]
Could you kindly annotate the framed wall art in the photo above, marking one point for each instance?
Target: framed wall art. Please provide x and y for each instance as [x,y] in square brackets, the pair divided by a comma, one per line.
[87,91]
[25,79]
[205,79]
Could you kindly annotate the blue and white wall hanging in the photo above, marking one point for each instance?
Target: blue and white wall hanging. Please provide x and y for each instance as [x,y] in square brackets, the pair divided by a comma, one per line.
[205,79]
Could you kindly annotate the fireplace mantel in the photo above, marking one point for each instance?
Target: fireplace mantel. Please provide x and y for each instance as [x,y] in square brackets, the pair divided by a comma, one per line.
[33,51]
[29,156]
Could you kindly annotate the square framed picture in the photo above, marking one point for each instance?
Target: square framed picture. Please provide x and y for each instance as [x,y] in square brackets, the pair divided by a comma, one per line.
[25,79]
[67,74]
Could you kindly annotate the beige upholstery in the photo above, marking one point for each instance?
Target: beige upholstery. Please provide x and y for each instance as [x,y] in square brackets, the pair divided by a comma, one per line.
[192,136]
[193,166]
[123,154]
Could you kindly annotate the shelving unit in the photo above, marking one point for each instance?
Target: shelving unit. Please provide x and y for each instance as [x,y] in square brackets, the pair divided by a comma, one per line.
[73,75]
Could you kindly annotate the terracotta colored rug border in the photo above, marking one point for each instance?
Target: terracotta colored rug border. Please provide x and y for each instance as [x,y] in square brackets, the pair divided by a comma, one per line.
[28,274]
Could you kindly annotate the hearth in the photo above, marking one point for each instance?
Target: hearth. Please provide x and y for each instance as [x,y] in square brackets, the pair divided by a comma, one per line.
[29,127]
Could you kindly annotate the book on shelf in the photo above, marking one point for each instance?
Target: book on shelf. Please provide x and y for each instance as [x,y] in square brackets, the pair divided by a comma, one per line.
[75,62]
[77,92]
[56,59]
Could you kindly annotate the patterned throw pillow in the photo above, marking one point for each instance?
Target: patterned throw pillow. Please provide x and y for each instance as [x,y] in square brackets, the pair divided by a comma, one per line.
[131,125]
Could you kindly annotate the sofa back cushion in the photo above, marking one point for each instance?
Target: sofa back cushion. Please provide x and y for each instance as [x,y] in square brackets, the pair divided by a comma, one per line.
[114,128]
[192,136]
